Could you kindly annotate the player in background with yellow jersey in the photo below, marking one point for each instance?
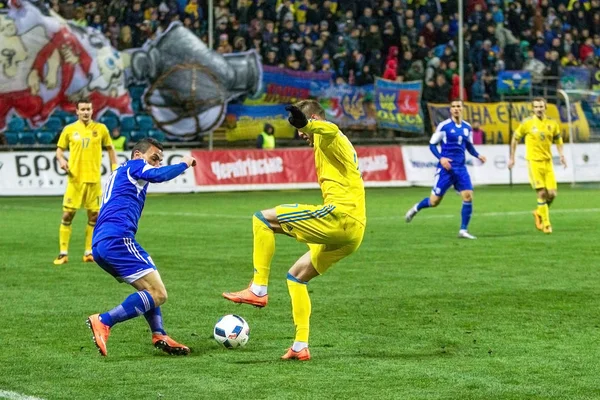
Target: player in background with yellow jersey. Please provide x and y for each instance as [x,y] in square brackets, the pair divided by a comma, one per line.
[539,133]
[84,139]
[332,231]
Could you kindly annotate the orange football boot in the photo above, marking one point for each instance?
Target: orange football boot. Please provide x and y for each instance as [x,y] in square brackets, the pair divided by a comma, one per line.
[247,297]
[539,224]
[88,258]
[100,333]
[302,355]
[61,259]
[169,346]
[548,229]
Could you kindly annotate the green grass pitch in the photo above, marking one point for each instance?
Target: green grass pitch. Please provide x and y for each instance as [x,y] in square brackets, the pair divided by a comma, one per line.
[415,314]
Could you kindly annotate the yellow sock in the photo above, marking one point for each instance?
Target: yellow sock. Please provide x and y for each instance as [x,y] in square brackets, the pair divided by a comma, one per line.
[264,249]
[64,236]
[300,308]
[89,232]
[542,209]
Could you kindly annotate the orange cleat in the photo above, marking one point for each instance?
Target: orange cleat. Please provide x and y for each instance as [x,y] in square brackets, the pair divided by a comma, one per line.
[61,259]
[539,224]
[548,229]
[169,346]
[247,297]
[88,258]
[302,355]
[100,333]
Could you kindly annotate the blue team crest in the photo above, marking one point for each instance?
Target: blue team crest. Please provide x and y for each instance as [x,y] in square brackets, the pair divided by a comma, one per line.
[514,82]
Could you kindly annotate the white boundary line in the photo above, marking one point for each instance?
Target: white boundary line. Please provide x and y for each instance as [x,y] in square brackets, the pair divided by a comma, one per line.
[5,394]
[400,214]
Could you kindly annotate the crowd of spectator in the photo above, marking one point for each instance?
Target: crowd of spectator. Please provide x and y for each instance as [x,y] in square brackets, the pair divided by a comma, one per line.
[358,40]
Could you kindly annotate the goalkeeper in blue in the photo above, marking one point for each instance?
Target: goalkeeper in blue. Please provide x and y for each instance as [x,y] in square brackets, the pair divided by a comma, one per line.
[117,252]
[455,135]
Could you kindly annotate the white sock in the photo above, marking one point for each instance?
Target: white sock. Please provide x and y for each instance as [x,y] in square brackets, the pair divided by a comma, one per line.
[64,253]
[87,253]
[297,346]
[259,290]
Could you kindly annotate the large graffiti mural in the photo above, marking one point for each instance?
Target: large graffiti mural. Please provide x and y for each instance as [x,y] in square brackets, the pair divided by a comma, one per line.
[47,63]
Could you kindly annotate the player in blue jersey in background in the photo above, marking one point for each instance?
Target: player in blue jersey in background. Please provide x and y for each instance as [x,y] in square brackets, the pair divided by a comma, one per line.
[455,135]
[117,252]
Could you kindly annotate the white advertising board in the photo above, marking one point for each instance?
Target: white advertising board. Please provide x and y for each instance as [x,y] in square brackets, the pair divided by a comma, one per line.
[38,174]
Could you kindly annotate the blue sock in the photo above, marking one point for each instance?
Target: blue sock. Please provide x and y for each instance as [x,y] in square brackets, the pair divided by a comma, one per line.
[467,210]
[154,318]
[134,305]
[423,204]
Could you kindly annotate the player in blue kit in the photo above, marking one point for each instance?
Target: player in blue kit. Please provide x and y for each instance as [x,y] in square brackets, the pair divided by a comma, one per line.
[455,135]
[115,249]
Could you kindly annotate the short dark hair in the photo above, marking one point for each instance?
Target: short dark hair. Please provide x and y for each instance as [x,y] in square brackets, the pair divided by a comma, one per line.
[310,107]
[143,145]
[456,99]
[82,101]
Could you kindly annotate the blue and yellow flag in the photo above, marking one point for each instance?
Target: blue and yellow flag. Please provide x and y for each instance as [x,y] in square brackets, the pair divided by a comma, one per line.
[514,82]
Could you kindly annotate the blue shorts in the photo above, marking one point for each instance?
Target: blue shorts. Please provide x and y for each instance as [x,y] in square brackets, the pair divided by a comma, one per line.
[457,177]
[123,258]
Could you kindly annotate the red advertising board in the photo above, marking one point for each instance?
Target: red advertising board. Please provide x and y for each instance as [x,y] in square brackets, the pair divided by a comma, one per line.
[285,166]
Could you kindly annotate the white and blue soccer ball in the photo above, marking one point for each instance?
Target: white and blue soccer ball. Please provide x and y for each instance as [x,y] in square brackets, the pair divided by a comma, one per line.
[232,331]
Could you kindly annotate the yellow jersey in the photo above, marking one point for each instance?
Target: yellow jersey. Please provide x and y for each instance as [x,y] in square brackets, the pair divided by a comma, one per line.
[539,135]
[84,143]
[336,164]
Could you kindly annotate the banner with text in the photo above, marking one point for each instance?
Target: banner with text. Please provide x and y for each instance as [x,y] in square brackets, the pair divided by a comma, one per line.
[583,162]
[260,169]
[497,123]
[398,105]
[38,174]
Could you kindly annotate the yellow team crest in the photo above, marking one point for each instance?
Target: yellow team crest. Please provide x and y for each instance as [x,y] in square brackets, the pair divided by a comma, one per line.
[353,106]
[387,102]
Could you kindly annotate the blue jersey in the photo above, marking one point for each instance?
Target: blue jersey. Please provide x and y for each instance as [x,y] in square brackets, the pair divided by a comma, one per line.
[125,195]
[454,139]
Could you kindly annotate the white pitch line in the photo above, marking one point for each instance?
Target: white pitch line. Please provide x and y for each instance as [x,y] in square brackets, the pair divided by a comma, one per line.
[4,394]
[400,215]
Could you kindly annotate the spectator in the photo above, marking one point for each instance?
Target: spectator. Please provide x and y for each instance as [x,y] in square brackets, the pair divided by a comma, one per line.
[67,9]
[391,67]
[586,50]
[455,91]
[478,134]
[442,89]
[119,141]
[266,139]
[224,46]
[416,71]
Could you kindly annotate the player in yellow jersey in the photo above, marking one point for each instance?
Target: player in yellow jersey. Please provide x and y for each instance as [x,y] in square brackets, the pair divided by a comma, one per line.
[539,133]
[84,139]
[332,231]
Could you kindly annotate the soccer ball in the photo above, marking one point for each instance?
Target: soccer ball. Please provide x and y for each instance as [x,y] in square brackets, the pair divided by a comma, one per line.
[232,331]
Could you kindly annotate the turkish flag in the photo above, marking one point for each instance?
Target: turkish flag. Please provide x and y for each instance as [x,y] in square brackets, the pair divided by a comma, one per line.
[408,102]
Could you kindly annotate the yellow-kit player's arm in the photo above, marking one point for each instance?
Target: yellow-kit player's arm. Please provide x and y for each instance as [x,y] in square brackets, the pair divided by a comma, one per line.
[63,144]
[517,135]
[108,145]
[557,139]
